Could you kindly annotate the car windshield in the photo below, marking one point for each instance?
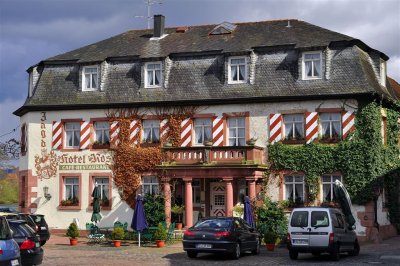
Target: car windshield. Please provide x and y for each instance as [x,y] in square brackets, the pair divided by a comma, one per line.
[213,223]
[5,233]
[299,219]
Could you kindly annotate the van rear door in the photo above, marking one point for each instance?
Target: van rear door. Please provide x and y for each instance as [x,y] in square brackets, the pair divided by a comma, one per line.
[299,234]
[320,228]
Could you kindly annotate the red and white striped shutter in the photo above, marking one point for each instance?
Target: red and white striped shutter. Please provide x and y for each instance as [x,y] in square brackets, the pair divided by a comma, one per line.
[134,133]
[114,130]
[275,128]
[186,132]
[311,126]
[56,142]
[347,123]
[218,131]
[163,129]
[85,135]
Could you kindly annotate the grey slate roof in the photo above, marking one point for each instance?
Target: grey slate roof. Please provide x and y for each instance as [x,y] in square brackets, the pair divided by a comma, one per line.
[202,77]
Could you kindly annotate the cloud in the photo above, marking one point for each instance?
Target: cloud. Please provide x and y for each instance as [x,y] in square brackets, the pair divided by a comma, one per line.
[393,68]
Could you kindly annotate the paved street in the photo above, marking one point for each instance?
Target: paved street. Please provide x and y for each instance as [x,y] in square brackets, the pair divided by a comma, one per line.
[58,252]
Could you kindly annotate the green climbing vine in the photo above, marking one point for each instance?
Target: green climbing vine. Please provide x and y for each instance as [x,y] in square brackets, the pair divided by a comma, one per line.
[361,159]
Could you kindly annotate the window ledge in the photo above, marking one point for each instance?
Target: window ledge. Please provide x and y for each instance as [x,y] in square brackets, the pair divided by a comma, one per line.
[329,141]
[75,207]
[108,208]
[293,141]
[148,145]
[70,149]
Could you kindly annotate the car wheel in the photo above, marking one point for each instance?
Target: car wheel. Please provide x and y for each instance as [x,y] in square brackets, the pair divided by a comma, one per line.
[256,251]
[42,242]
[293,255]
[335,254]
[356,249]
[192,254]
[236,252]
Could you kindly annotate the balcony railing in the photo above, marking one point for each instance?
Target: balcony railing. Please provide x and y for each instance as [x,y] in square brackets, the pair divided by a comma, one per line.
[217,155]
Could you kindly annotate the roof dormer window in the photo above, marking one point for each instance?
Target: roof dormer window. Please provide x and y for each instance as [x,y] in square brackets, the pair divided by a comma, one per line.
[153,75]
[237,70]
[90,78]
[312,65]
[383,72]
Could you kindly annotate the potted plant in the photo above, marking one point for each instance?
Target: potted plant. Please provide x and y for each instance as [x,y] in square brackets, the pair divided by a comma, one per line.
[252,141]
[100,145]
[270,238]
[208,143]
[117,235]
[73,233]
[178,210]
[160,235]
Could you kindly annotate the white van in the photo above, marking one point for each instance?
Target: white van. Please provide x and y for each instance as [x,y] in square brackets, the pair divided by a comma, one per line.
[317,229]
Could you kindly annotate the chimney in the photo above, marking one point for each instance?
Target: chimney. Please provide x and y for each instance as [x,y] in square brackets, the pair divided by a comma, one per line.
[159,21]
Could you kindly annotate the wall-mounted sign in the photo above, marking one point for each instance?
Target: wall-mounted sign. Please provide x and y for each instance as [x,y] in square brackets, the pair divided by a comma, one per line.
[83,167]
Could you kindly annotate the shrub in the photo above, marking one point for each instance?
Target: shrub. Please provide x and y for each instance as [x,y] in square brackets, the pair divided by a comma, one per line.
[118,233]
[154,209]
[271,219]
[73,231]
[160,233]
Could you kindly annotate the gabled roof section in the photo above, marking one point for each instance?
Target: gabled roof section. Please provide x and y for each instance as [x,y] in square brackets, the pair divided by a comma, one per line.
[223,28]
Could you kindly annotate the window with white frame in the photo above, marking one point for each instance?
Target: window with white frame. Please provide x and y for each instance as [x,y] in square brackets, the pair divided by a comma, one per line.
[153,75]
[236,131]
[237,70]
[102,182]
[71,190]
[330,125]
[294,126]
[294,188]
[196,192]
[150,185]
[102,130]
[151,131]
[328,186]
[202,130]
[383,72]
[312,65]
[90,80]
[72,134]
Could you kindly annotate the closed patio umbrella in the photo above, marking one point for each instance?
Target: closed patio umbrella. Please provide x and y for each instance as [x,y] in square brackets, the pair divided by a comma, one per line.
[96,216]
[344,200]
[139,222]
[248,212]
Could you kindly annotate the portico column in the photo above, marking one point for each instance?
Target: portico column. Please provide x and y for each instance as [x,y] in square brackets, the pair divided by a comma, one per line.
[188,202]
[251,182]
[229,196]
[167,199]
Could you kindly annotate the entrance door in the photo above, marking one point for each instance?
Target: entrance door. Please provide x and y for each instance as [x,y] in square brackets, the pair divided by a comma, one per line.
[217,200]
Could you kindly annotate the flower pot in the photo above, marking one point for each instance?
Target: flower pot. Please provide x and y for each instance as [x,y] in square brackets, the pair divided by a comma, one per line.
[270,247]
[160,243]
[178,226]
[117,243]
[73,241]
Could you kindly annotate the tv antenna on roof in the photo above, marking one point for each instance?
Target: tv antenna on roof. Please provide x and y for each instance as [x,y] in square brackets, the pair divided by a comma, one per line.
[149,3]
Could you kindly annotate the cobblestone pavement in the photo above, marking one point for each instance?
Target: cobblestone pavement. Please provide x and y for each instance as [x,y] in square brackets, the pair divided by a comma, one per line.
[58,252]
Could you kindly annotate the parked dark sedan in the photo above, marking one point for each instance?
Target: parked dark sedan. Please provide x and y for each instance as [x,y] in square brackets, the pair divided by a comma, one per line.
[28,241]
[43,228]
[230,235]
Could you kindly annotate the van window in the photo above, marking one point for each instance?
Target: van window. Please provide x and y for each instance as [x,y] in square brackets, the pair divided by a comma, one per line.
[299,219]
[340,221]
[319,219]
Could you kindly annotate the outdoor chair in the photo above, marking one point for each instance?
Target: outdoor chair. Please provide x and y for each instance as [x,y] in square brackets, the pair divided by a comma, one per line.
[170,233]
[95,236]
[118,224]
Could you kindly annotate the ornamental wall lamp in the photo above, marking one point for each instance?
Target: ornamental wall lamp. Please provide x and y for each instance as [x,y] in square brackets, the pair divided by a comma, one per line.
[46,193]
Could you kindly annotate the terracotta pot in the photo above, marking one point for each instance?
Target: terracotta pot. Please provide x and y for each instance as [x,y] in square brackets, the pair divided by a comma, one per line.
[160,243]
[73,241]
[270,247]
[117,243]
[178,226]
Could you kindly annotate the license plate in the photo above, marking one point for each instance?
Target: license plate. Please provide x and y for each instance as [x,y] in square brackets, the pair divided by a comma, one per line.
[37,244]
[203,246]
[14,263]
[43,228]
[300,241]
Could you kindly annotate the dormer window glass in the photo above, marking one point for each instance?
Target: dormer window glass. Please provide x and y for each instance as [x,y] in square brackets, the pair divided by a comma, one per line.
[237,70]
[153,75]
[90,78]
[383,73]
[312,65]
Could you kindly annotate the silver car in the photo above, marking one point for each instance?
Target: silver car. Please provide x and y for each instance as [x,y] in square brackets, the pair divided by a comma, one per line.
[316,230]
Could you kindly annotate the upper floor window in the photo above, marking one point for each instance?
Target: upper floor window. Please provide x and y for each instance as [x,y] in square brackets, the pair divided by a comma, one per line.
[102,130]
[330,125]
[90,78]
[72,134]
[383,73]
[150,185]
[294,126]
[237,70]
[151,131]
[312,65]
[153,75]
[236,131]
[328,186]
[294,188]
[202,130]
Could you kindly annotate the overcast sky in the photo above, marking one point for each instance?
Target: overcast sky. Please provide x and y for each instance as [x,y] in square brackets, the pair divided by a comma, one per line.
[33,30]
